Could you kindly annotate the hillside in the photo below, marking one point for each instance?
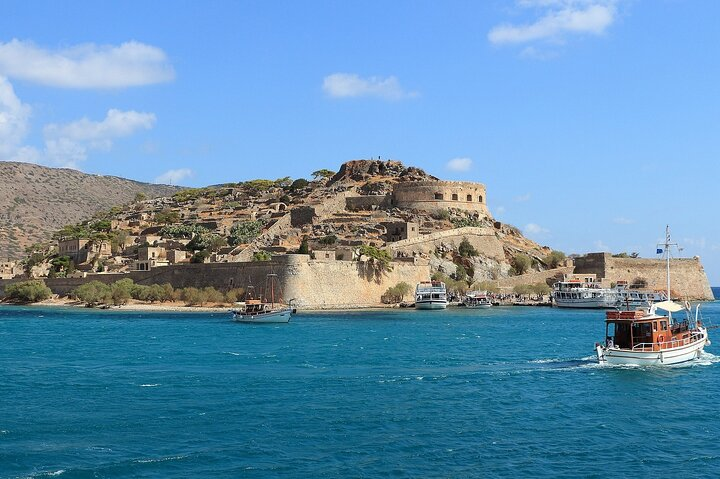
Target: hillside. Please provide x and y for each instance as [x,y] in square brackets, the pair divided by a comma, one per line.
[36,201]
[367,203]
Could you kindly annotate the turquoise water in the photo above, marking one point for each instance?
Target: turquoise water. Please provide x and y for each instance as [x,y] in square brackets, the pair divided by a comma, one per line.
[483,393]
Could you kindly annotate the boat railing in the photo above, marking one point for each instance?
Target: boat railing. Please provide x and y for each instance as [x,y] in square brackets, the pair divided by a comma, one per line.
[673,343]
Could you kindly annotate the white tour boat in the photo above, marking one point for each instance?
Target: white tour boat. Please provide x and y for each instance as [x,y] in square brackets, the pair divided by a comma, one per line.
[644,338]
[477,300]
[431,295]
[580,294]
[255,310]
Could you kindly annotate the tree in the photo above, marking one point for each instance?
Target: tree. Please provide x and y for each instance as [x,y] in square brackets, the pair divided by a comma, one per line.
[466,250]
[395,294]
[554,259]
[121,291]
[93,293]
[298,184]
[27,291]
[460,273]
[140,197]
[200,257]
[380,258]
[304,246]
[167,216]
[521,263]
[323,173]
[282,182]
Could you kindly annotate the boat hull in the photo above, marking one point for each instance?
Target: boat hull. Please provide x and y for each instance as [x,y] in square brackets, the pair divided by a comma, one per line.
[279,316]
[663,357]
[586,303]
[431,305]
[478,306]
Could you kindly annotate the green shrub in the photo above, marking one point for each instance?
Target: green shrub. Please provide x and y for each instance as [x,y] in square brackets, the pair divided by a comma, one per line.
[379,257]
[441,215]
[554,259]
[28,291]
[521,263]
[235,294]
[261,256]
[395,294]
[245,232]
[328,240]
[466,250]
[93,293]
[299,184]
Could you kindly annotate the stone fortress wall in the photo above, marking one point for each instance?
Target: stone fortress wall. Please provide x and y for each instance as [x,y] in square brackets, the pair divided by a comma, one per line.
[482,239]
[313,284]
[441,195]
[687,275]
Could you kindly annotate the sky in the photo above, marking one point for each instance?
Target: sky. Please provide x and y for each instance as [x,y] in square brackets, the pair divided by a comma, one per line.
[592,123]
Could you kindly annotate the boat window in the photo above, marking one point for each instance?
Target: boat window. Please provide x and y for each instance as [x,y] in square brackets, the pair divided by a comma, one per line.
[655,324]
[663,325]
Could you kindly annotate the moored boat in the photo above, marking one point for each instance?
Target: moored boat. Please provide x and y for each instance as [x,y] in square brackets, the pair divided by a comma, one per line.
[477,300]
[644,338]
[256,310]
[431,295]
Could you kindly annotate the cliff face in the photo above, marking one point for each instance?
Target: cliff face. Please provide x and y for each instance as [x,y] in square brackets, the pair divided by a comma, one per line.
[35,201]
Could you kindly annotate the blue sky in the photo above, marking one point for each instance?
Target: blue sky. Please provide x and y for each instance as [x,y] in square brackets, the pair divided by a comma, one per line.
[593,123]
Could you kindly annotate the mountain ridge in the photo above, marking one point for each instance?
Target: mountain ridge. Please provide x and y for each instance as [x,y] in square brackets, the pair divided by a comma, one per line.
[37,200]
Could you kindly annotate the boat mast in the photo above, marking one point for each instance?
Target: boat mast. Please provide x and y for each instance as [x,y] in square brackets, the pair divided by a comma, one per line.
[666,252]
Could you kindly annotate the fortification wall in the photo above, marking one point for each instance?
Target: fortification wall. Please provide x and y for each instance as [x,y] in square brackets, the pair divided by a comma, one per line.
[482,239]
[688,278]
[313,284]
[441,195]
[548,276]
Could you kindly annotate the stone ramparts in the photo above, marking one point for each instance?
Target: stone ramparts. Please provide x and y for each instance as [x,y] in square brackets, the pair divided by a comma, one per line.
[688,278]
[312,284]
[545,277]
[441,195]
[482,239]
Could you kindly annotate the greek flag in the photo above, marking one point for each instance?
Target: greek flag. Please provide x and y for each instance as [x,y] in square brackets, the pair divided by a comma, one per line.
[659,251]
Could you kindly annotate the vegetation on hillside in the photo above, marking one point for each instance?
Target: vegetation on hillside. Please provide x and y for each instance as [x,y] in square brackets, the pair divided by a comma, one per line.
[27,291]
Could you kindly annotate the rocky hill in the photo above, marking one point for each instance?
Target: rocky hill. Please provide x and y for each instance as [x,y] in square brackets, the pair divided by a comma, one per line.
[335,214]
[36,201]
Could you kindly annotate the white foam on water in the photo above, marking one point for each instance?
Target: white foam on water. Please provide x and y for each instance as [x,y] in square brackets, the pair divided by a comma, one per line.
[150,385]
[160,459]
[230,352]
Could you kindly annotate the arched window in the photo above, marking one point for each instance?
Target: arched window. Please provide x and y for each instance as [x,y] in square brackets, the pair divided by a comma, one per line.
[469,198]
[455,197]
[480,198]
[438,196]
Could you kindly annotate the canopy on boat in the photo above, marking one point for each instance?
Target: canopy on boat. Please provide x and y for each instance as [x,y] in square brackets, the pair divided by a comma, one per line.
[669,306]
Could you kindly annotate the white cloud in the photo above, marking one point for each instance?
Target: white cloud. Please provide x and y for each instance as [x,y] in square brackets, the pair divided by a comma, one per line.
[14,121]
[348,85]
[115,125]
[559,18]
[86,65]
[173,177]
[67,145]
[522,198]
[459,164]
[534,229]
[500,210]
[620,220]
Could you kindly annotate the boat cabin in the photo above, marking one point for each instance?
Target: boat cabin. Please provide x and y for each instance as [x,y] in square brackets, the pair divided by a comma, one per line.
[638,330]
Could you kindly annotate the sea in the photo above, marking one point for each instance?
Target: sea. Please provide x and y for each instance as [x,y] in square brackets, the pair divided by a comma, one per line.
[504,392]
